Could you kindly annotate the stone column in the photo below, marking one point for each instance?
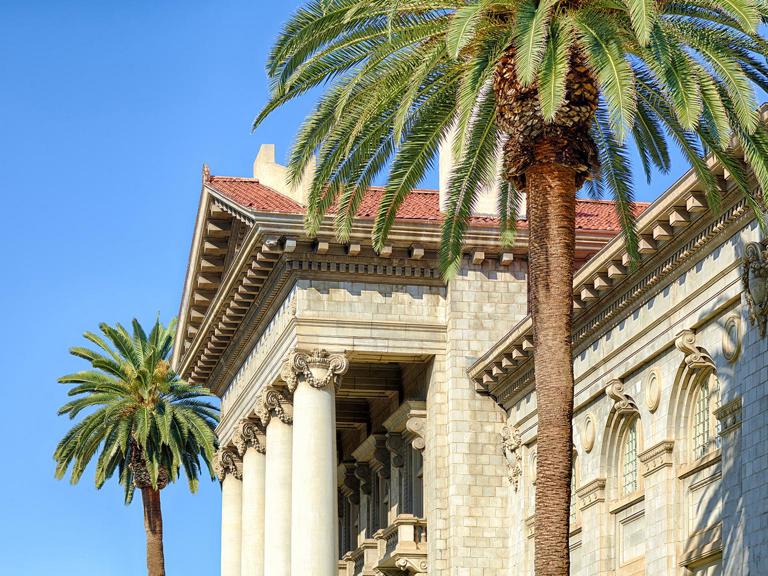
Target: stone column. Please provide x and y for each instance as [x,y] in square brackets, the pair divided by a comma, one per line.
[313,379]
[251,444]
[227,467]
[275,412]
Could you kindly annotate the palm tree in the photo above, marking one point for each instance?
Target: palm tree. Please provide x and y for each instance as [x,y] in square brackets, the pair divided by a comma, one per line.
[543,96]
[145,423]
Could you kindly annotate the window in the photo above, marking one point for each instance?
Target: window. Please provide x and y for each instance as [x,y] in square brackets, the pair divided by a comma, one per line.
[629,460]
[705,431]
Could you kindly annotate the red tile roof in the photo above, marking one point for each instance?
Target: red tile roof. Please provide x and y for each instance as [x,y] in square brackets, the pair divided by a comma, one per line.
[421,204]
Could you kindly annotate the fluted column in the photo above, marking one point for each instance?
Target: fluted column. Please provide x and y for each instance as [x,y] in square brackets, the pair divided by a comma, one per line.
[251,444]
[276,413]
[313,378]
[228,470]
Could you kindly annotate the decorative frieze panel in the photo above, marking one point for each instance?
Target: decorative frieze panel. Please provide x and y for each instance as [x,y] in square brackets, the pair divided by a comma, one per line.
[729,415]
[511,446]
[592,493]
[657,457]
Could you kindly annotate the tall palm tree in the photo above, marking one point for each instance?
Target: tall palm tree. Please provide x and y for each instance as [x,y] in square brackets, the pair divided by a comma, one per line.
[145,423]
[543,96]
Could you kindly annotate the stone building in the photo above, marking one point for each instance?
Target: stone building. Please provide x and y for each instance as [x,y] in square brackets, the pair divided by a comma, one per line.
[379,420]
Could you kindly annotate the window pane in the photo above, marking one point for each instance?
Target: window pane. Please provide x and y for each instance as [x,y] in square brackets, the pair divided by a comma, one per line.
[630,459]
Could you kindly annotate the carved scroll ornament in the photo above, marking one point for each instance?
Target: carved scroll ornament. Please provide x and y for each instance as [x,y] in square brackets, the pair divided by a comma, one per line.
[250,434]
[318,368]
[225,463]
[696,357]
[511,445]
[754,278]
[273,403]
[622,402]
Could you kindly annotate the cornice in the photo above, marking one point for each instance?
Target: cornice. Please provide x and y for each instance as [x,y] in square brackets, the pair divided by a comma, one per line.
[507,367]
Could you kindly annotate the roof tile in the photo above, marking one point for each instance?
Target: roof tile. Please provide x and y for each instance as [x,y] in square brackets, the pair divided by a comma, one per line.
[420,205]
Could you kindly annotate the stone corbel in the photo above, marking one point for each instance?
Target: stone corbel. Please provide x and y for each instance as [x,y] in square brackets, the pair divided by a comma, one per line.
[227,462]
[416,427]
[250,434]
[696,357]
[622,402]
[363,474]
[318,368]
[511,445]
[657,457]
[275,403]
[380,458]
[754,277]
[396,445]
[349,484]
[729,415]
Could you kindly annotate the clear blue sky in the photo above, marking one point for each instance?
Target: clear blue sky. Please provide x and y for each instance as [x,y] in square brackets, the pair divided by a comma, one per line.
[107,112]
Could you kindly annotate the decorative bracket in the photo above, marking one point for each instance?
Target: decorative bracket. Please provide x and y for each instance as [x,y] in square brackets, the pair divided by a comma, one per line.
[511,444]
[395,446]
[754,277]
[696,357]
[622,403]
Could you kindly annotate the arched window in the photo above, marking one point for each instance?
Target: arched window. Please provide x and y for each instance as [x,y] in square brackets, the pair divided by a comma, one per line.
[705,433]
[628,476]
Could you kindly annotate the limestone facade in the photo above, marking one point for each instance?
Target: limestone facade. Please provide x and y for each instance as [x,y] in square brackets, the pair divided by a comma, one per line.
[377,419]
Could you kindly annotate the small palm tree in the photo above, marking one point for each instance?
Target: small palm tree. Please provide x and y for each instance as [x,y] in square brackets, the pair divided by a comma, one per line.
[145,423]
[557,89]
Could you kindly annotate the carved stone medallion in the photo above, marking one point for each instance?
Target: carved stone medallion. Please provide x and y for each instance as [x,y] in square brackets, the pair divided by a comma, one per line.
[653,389]
[732,338]
[589,433]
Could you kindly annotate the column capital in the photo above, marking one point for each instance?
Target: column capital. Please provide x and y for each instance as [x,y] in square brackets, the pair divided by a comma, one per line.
[275,403]
[227,462]
[250,434]
[318,368]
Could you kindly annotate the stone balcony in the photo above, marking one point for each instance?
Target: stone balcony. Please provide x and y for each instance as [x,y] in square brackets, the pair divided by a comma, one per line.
[399,549]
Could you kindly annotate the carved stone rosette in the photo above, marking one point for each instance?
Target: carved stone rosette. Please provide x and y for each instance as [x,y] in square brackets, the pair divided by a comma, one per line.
[622,402]
[696,357]
[250,434]
[318,368]
[754,277]
[273,403]
[511,444]
[227,462]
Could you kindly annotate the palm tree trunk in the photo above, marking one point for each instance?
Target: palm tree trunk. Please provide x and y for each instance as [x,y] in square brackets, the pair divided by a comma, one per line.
[552,210]
[153,525]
